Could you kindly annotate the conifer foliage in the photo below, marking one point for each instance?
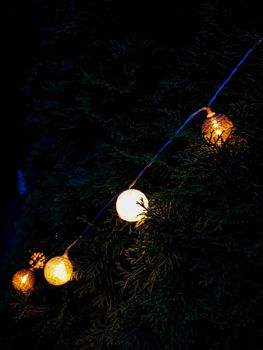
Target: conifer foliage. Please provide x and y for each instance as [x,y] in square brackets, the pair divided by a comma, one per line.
[100,103]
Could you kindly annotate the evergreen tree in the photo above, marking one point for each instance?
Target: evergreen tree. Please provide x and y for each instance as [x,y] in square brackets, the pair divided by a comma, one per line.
[100,103]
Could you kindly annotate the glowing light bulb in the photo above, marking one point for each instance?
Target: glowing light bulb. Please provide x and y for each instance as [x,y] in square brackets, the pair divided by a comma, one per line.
[23,280]
[217,128]
[58,270]
[131,205]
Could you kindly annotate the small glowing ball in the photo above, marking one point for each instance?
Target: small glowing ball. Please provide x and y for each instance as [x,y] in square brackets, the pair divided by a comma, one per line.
[23,280]
[37,260]
[217,128]
[58,270]
[131,205]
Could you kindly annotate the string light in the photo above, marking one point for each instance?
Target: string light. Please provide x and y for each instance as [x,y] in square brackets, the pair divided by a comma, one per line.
[24,279]
[58,270]
[131,205]
[216,129]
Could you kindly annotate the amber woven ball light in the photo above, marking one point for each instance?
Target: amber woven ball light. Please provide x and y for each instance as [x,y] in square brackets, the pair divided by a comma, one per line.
[217,128]
[23,280]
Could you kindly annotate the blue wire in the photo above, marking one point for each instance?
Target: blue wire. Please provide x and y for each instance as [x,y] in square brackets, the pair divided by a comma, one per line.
[191,116]
[233,71]
[156,155]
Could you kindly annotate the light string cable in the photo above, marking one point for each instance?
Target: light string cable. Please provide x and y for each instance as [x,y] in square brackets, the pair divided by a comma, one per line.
[157,154]
[234,70]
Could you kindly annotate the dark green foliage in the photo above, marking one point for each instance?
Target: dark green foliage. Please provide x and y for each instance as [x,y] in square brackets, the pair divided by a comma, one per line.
[99,106]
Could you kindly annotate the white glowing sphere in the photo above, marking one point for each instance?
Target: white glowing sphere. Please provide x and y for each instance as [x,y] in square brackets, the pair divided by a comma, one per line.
[58,270]
[131,205]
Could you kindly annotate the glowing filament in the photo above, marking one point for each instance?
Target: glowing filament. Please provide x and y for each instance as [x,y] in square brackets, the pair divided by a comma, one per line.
[24,279]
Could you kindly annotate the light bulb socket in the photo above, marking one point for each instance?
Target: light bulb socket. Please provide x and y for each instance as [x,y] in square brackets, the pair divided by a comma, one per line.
[209,112]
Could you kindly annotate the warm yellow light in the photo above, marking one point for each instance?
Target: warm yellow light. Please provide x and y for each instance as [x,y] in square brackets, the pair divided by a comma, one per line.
[217,128]
[37,260]
[23,280]
[131,205]
[58,270]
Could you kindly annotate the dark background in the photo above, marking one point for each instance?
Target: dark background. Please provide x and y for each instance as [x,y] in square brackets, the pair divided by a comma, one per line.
[21,32]
[172,24]
[23,22]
